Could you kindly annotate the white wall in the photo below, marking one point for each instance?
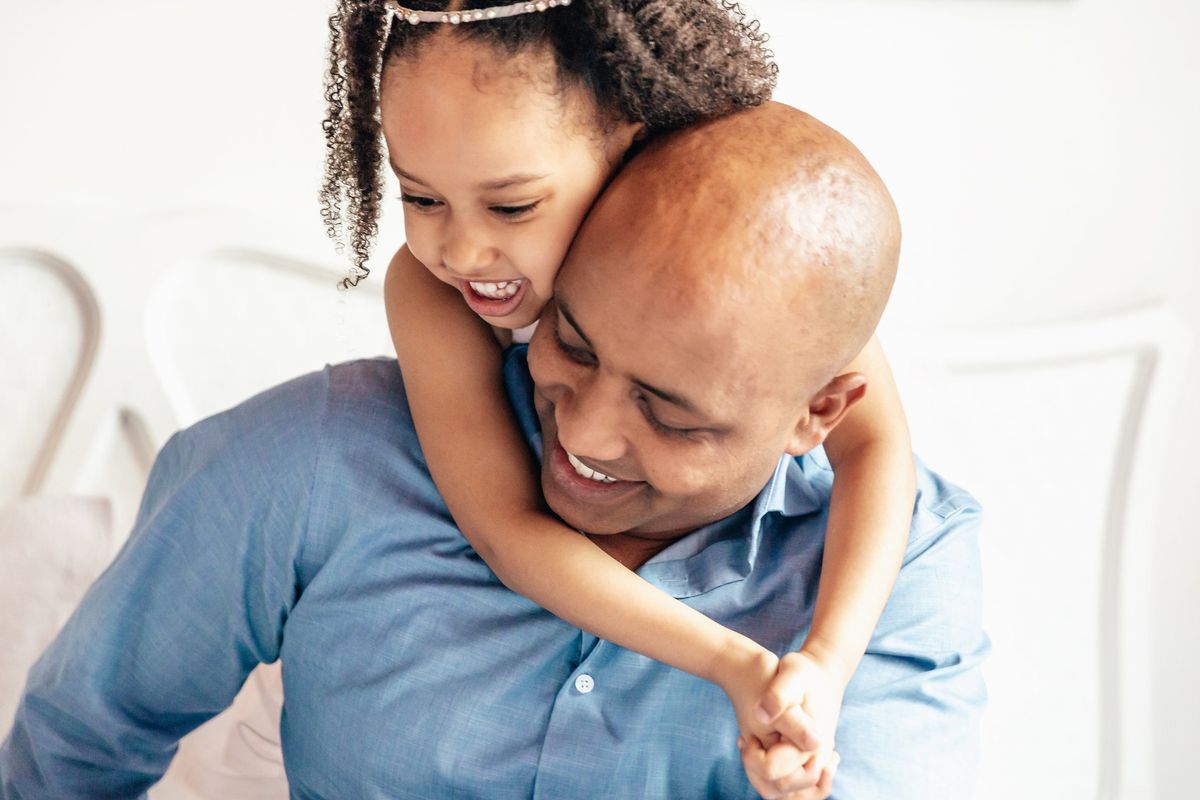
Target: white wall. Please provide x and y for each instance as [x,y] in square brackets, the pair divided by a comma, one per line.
[1041,152]
[1043,155]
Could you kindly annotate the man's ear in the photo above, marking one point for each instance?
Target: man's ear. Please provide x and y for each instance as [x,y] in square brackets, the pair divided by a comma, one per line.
[827,408]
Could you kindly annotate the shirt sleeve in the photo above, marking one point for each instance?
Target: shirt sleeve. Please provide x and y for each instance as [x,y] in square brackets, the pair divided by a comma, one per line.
[196,598]
[909,728]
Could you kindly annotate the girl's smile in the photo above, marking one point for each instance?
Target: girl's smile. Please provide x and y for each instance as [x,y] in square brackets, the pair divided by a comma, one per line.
[495,299]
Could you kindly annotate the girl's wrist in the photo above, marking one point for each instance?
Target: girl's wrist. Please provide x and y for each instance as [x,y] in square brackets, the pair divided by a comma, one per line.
[837,659]
[738,656]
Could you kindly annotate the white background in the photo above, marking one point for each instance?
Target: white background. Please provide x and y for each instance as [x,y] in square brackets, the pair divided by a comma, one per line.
[1042,153]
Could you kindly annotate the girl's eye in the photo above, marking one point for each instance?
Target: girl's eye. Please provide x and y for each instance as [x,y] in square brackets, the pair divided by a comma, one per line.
[515,212]
[418,202]
[656,424]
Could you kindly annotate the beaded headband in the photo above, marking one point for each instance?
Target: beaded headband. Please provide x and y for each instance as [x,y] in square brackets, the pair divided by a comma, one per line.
[414,17]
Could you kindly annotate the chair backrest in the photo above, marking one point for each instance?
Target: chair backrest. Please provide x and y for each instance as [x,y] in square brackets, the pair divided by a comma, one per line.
[48,335]
[1059,431]
[118,332]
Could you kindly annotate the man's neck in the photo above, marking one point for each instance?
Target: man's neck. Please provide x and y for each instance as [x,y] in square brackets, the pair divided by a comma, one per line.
[632,551]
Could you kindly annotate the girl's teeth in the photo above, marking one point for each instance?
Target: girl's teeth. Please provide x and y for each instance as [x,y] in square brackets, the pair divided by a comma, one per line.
[501,290]
[588,472]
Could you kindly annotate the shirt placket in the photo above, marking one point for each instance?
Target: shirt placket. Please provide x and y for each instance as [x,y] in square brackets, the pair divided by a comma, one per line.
[576,751]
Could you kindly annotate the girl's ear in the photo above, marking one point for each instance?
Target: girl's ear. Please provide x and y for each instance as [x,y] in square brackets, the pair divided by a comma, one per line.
[621,139]
[827,408]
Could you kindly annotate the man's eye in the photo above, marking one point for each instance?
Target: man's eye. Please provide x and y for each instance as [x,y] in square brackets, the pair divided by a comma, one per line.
[576,354]
[658,425]
[515,212]
[418,202]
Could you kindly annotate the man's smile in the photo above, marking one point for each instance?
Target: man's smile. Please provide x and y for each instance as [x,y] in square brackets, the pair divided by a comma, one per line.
[584,485]
[588,472]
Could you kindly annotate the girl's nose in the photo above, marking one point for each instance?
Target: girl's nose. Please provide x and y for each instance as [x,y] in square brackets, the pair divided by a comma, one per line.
[466,255]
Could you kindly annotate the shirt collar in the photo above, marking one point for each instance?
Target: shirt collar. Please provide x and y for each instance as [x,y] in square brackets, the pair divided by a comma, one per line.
[728,550]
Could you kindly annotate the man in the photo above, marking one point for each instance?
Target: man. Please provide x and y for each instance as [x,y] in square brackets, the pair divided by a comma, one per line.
[720,286]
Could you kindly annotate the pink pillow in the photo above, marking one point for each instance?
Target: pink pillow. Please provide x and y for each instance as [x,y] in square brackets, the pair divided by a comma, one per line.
[51,550]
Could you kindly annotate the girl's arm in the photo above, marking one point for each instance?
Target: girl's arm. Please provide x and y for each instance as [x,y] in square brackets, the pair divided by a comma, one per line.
[476,455]
[869,517]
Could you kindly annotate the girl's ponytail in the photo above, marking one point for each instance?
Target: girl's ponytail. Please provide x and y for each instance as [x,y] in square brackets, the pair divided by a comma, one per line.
[353,156]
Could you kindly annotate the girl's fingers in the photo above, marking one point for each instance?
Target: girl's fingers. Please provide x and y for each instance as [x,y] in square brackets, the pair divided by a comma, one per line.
[797,725]
[783,759]
[825,785]
[806,777]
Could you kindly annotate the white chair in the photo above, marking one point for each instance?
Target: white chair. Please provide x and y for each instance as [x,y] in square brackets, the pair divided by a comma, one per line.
[1058,430]
[115,333]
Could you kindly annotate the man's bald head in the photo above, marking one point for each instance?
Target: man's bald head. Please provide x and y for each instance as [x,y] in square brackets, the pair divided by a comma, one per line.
[767,215]
[703,318]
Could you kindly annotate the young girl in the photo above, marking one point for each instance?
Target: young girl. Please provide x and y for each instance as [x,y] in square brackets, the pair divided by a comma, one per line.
[502,124]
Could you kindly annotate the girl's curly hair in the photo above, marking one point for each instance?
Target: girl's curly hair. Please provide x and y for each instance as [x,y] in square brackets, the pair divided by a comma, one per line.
[663,63]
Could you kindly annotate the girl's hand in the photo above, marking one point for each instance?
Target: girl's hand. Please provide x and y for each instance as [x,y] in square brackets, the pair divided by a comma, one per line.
[803,701]
[784,749]
[772,778]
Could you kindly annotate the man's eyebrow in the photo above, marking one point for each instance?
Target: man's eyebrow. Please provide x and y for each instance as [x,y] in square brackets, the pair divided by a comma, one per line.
[500,183]
[670,397]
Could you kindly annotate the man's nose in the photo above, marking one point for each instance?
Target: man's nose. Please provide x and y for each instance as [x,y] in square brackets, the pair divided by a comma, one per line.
[589,420]
[465,253]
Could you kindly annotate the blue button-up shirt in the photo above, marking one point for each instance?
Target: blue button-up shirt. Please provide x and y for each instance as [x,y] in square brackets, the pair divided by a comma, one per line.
[303,525]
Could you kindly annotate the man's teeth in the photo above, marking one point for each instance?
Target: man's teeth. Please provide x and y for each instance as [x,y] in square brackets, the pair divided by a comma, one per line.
[588,472]
[497,291]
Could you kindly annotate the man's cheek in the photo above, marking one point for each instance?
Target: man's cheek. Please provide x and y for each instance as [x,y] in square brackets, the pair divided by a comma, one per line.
[681,477]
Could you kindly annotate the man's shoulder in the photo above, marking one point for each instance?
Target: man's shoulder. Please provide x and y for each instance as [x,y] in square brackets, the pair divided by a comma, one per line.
[941,507]
[939,503]
[348,398]
[353,401]
[369,392]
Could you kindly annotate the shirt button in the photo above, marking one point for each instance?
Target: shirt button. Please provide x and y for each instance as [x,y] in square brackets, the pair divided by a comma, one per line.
[585,684]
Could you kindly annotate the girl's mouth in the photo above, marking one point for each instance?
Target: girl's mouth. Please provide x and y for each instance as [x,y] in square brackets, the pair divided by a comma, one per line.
[494,298]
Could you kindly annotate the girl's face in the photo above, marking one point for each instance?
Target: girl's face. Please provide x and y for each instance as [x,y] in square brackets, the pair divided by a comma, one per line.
[497,168]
